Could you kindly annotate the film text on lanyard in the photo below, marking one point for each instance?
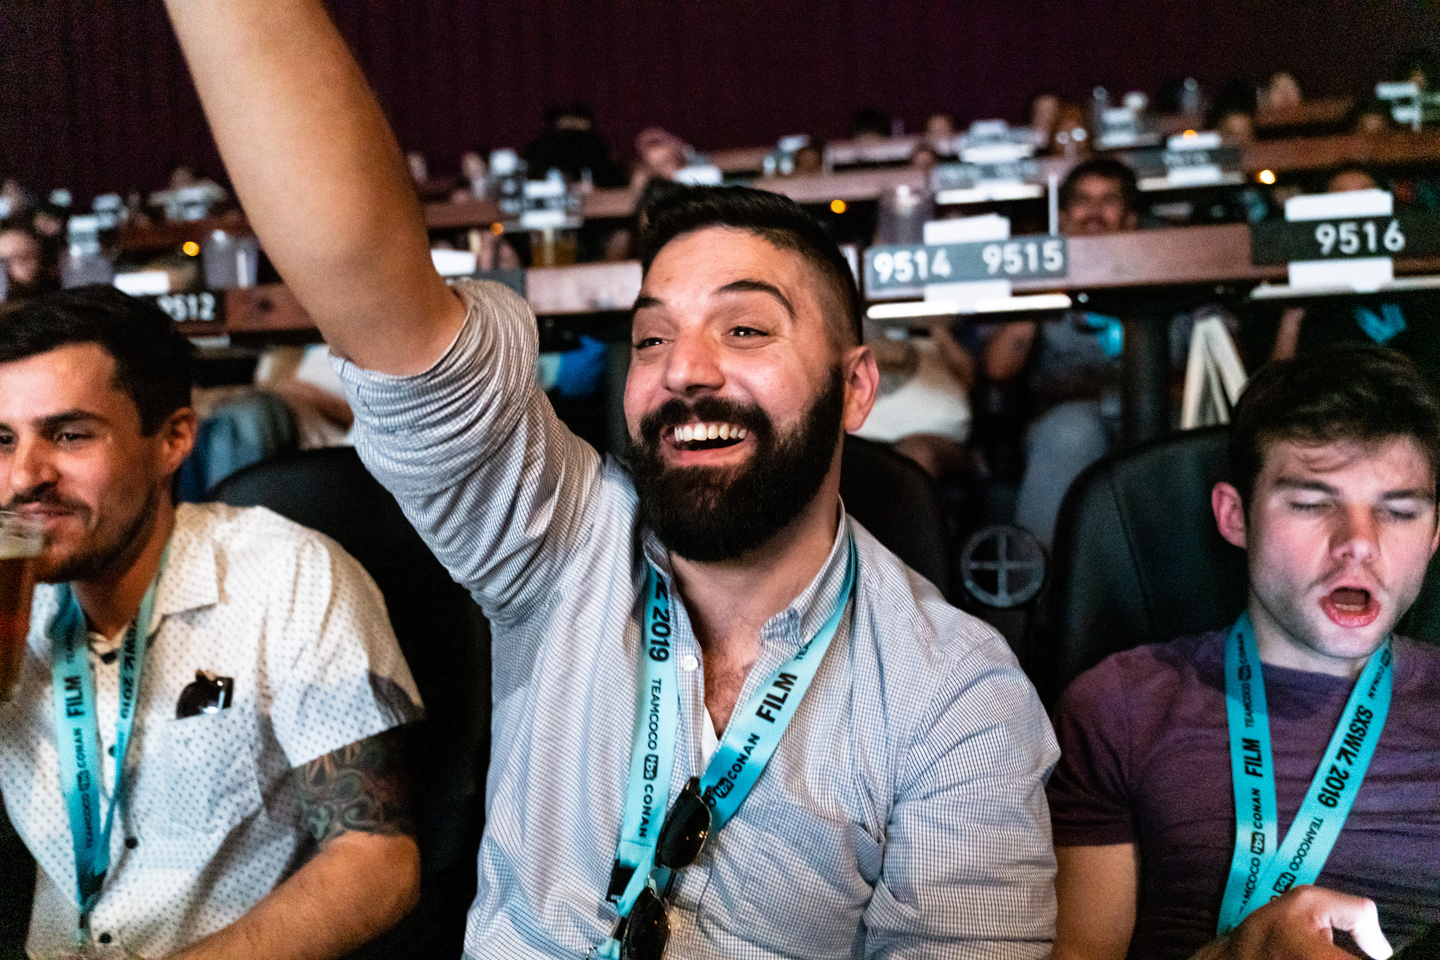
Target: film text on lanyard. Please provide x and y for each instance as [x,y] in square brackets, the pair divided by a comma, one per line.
[1259,871]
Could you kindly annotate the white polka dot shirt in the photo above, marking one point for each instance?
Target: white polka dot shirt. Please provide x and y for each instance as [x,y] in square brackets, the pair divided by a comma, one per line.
[211,822]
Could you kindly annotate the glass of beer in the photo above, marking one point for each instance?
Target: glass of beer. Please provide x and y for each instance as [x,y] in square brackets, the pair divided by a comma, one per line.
[20,542]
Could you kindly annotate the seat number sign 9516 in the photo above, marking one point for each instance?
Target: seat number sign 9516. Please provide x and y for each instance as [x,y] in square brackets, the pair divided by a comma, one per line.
[1273,242]
[898,267]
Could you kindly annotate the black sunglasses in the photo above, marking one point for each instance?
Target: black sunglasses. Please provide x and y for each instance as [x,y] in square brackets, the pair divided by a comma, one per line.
[644,932]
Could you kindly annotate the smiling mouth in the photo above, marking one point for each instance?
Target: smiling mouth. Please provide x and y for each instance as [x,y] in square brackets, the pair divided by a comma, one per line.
[708,436]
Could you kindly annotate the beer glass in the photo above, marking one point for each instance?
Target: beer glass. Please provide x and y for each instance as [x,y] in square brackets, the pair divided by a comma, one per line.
[20,542]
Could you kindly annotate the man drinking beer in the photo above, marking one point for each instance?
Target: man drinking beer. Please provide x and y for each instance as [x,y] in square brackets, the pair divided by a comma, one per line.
[199,750]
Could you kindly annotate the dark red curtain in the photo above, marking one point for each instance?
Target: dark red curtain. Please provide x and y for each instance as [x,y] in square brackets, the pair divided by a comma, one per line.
[94,94]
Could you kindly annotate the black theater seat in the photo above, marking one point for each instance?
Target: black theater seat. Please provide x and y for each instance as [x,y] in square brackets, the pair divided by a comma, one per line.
[446,640]
[1138,559]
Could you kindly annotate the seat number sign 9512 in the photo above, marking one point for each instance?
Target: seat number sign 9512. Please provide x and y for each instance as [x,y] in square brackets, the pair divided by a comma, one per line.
[897,267]
[203,307]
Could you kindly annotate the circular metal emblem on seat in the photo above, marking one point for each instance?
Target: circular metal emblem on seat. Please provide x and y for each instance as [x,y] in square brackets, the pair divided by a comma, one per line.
[1003,566]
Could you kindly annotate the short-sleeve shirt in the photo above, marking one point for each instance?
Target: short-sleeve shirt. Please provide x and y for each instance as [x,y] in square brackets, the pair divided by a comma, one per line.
[1146,760]
[211,807]
[902,814]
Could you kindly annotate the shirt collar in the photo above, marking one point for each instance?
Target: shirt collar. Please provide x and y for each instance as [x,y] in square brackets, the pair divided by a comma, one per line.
[792,627]
[191,579]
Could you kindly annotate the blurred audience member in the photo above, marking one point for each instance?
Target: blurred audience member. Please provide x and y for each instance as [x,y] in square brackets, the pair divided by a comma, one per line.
[1233,113]
[1281,94]
[1416,66]
[809,160]
[29,272]
[571,145]
[1044,112]
[923,407]
[868,124]
[939,129]
[659,155]
[1071,365]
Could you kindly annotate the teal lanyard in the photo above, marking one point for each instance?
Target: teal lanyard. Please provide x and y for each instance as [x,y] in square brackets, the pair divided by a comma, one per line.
[750,738]
[77,737]
[1259,872]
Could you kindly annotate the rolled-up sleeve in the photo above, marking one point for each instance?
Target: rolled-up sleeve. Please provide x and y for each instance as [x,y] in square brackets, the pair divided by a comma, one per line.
[474,453]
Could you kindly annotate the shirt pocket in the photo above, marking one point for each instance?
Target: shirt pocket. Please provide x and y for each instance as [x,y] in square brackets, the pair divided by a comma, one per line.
[211,777]
[824,865]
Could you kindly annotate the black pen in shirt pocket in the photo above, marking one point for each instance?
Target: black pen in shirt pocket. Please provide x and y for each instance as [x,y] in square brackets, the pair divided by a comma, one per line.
[208,694]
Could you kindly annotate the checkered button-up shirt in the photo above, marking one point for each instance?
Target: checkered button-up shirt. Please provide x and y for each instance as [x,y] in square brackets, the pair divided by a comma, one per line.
[903,813]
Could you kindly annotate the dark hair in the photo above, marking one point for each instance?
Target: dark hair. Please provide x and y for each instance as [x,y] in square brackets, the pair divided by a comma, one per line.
[777,219]
[154,363]
[1356,392]
[1110,169]
[1415,59]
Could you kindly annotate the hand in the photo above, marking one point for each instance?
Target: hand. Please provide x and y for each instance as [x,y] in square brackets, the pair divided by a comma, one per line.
[1300,925]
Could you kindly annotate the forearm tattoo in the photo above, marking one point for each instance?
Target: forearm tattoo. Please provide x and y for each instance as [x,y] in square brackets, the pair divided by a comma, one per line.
[360,787]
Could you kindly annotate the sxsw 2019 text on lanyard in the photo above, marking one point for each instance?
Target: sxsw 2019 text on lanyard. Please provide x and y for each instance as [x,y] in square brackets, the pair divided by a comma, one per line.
[1259,872]
[77,735]
[750,738]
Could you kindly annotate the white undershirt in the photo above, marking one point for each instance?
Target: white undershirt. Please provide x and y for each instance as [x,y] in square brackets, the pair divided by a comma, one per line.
[709,743]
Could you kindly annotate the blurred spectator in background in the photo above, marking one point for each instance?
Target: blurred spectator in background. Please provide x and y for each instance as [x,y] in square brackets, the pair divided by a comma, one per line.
[1044,112]
[29,269]
[869,124]
[1072,135]
[570,144]
[1416,66]
[659,155]
[1233,113]
[809,160]
[1071,365]
[1281,94]
[923,406]
[939,130]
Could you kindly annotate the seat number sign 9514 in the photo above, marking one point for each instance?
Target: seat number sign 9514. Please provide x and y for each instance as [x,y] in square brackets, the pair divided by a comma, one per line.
[899,267]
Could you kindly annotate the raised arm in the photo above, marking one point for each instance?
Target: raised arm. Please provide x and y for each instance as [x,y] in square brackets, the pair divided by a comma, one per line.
[320,176]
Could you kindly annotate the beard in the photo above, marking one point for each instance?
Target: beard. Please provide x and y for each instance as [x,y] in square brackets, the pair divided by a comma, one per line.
[99,551]
[718,514]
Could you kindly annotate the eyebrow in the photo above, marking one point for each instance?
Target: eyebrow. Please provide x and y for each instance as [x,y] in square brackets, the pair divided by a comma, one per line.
[57,420]
[759,286]
[1316,486]
[645,301]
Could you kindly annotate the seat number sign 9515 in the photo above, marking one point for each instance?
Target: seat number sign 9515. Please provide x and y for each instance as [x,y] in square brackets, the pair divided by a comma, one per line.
[899,267]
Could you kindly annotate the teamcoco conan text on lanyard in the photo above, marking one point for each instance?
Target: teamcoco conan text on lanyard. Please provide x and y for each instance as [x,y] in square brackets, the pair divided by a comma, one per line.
[77,736]
[750,739]
[1259,872]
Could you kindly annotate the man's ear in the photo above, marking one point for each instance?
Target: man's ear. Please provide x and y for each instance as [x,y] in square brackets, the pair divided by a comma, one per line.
[177,439]
[862,385]
[1229,513]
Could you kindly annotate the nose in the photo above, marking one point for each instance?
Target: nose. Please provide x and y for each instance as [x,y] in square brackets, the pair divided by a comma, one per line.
[692,364]
[1356,535]
[30,468]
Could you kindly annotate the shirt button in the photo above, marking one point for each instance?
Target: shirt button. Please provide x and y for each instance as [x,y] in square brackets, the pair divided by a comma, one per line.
[131,843]
[104,938]
[688,663]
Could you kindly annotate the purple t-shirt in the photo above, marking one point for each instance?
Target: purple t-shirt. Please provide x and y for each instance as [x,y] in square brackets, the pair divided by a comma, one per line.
[1145,759]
